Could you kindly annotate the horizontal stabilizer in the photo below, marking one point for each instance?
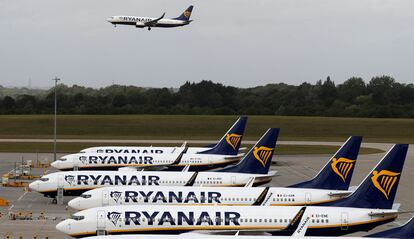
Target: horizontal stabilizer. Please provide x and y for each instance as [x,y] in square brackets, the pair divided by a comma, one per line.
[340,193]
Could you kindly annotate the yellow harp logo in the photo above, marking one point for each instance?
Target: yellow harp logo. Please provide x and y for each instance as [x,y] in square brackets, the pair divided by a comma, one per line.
[384,181]
[187,14]
[262,154]
[233,140]
[342,167]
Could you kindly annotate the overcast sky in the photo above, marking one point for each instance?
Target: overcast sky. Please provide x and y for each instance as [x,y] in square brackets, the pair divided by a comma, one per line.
[242,42]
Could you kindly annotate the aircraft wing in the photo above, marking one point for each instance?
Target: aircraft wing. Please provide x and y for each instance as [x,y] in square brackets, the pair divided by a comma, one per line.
[154,22]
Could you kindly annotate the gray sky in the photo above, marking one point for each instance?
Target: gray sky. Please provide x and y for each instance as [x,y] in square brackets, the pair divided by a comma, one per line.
[242,43]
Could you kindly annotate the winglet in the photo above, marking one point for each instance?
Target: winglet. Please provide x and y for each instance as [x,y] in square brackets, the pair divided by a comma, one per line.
[302,228]
[250,183]
[186,168]
[180,156]
[191,181]
[297,225]
[261,198]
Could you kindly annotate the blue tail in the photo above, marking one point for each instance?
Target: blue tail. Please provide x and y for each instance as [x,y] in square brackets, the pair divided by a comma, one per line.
[259,158]
[380,186]
[405,231]
[337,173]
[230,143]
[185,16]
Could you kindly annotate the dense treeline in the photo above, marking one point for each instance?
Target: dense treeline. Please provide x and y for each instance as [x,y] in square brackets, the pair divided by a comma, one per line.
[380,97]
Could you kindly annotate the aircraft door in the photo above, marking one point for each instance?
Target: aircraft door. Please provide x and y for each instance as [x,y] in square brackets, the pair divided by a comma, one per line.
[60,181]
[344,221]
[105,198]
[76,164]
[233,180]
[101,223]
[308,198]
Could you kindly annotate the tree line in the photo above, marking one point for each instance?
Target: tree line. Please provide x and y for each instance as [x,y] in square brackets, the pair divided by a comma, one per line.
[380,97]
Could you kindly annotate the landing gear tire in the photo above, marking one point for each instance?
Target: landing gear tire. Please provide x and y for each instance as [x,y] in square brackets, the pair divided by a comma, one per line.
[149,28]
[54,201]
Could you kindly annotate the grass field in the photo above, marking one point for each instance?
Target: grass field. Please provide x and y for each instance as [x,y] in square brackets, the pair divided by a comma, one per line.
[204,127]
[76,147]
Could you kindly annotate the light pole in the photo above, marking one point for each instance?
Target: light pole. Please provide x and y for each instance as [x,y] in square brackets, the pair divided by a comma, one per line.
[54,134]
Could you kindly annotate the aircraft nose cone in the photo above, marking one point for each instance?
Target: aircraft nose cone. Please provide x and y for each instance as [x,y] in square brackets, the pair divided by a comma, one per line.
[109,19]
[55,164]
[74,203]
[63,226]
[34,186]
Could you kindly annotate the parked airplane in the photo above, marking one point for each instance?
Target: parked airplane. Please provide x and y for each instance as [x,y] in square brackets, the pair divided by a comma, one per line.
[369,206]
[141,22]
[405,231]
[111,158]
[229,144]
[330,184]
[255,165]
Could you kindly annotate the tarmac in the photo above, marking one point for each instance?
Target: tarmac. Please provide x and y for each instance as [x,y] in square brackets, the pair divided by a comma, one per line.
[291,169]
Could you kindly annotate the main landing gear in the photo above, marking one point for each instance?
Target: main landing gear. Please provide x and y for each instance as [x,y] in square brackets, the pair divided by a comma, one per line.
[149,28]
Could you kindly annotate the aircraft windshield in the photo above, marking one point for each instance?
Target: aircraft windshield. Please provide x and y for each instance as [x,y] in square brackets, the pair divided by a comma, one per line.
[85,195]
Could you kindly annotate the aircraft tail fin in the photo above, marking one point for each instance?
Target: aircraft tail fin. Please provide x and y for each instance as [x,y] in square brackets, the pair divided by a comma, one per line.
[405,231]
[259,158]
[337,173]
[185,16]
[379,188]
[230,143]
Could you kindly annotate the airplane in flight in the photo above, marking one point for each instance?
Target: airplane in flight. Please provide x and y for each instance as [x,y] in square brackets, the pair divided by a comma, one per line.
[370,205]
[296,230]
[222,154]
[330,184]
[150,22]
[253,166]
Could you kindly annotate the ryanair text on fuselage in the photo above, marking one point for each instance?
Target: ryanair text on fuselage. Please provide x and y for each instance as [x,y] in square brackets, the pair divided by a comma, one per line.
[170,196]
[119,159]
[108,180]
[179,218]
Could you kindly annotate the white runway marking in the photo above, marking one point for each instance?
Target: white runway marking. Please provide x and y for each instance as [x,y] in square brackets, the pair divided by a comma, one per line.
[21,197]
[10,208]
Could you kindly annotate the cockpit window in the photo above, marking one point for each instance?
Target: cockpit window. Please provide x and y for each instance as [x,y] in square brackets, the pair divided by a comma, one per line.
[44,179]
[77,218]
[85,195]
[63,159]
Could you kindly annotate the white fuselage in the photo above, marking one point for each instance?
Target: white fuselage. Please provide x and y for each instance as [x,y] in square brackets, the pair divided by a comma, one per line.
[112,161]
[175,219]
[206,236]
[143,21]
[140,149]
[164,195]
[76,182]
